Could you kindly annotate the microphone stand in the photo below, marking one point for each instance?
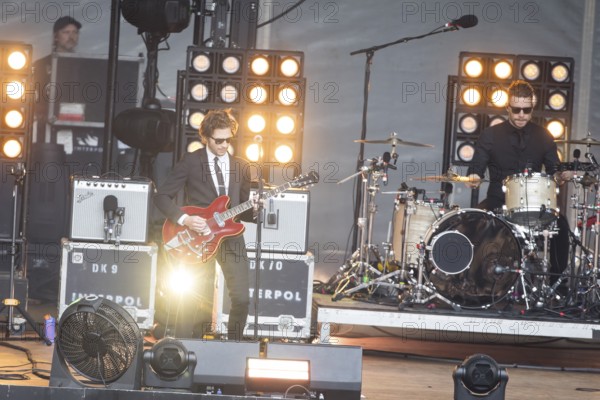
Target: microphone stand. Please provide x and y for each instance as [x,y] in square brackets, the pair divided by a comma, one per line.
[258,250]
[370,52]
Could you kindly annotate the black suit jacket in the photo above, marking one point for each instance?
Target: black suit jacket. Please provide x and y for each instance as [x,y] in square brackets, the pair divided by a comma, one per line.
[192,174]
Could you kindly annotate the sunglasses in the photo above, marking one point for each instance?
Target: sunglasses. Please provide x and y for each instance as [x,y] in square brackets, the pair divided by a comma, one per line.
[220,141]
[517,110]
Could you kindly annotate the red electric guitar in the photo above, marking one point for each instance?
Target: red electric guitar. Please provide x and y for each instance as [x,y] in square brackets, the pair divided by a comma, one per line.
[191,247]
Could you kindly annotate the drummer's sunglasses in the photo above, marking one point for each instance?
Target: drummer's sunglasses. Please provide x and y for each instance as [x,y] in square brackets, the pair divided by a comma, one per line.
[517,110]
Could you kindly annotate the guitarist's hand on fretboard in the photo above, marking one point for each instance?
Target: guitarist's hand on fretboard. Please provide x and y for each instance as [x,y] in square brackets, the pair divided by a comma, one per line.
[197,224]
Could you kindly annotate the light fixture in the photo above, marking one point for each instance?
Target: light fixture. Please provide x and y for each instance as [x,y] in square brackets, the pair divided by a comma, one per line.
[17,60]
[531,71]
[473,68]
[14,89]
[284,153]
[149,130]
[557,101]
[199,92]
[257,123]
[229,93]
[468,123]
[257,94]
[288,95]
[465,151]
[195,119]
[231,64]
[471,96]
[157,16]
[267,375]
[12,148]
[181,280]
[556,128]
[479,377]
[496,119]
[201,63]
[285,124]
[260,66]
[252,152]
[560,72]
[169,364]
[499,98]
[289,67]
[503,69]
[14,119]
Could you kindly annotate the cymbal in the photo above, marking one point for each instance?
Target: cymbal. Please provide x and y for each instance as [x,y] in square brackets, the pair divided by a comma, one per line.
[445,178]
[588,141]
[394,140]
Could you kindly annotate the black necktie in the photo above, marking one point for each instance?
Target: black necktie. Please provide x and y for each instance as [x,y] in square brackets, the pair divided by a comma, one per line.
[220,179]
[521,134]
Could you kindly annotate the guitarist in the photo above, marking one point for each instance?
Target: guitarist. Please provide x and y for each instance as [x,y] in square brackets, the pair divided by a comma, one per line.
[206,174]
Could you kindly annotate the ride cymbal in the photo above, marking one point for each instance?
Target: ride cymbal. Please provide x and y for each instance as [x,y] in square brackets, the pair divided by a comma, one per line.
[394,140]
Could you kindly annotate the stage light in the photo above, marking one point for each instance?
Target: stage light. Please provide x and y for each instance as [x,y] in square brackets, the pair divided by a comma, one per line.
[285,124]
[257,94]
[531,71]
[157,16]
[199,92]
[557,101]
[276,375]
[14,89]
[289,67]
[560,72]
[471,96]
[17,60]
[201,63]
[169,365]
[181,280]
[465,151]
[257,123]
[473,68]
[556,128]
[12,148]
[499,98]
[252,152]
[194,145]
[229,93]
[231,64]
[259,66]
[468,123]
[284,153]
[479,377]
[503,69]
[288,95]
[196,119]
[14,119]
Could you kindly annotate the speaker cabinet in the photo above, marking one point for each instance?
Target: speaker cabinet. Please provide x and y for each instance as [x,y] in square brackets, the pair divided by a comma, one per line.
[87,207]
[284,224]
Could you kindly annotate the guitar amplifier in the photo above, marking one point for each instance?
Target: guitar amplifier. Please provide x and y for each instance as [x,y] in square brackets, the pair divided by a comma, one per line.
[284,223]
[88,214]
[125,274]
[285,296]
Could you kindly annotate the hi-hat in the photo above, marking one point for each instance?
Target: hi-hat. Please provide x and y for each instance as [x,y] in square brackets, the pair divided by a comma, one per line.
[588,141]
[394,140]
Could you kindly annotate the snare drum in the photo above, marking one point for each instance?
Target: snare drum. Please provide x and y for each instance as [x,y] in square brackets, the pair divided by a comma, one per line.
[530,199]
[412,219]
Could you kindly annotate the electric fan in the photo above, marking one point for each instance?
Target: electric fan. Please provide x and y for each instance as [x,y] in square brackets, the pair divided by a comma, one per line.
[99,345]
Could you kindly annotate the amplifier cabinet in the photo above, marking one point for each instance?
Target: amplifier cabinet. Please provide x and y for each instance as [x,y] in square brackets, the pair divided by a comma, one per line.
[285,296]
[87,208]
[125,274]
[284,224]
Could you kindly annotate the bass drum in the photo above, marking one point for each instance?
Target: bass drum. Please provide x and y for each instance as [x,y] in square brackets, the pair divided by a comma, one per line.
[468,252]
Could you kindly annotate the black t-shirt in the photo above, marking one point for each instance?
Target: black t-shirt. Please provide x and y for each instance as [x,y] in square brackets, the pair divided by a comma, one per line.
[506,150]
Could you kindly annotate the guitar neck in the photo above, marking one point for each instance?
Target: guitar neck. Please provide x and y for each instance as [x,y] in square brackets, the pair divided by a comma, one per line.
[240,208]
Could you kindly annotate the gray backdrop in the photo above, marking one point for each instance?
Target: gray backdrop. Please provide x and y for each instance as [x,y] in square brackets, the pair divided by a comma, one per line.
[407,82]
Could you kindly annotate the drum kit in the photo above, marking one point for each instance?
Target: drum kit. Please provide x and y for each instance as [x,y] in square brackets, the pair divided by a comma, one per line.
[469,258]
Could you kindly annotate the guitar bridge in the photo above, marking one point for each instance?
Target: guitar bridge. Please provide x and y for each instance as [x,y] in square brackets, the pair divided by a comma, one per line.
[182,238]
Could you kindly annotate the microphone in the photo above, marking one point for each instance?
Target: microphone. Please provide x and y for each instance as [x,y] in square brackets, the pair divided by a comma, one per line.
[592,159]
[576,155]
[110,207]
[542,211]
[258,139]
[466,21]
[386,161]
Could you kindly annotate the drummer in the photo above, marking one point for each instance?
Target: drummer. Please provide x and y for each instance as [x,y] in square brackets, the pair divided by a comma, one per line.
[513,147]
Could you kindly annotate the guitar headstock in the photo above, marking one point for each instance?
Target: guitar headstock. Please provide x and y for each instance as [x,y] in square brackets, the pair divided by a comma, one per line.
[309,178]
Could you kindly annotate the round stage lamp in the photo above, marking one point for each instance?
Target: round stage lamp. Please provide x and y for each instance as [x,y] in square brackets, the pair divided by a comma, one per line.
[199,92]
[503,69]
[195,119]
[288,95]
[499,98]
[257,123]
[530,71]
[480,376]
[252,152]
[285,124]
[15,90]
[231,65]
[257,94]
[471,96]
[465,152]
[497,119]
[259,66]
[169,359]
[181,280]
[284,153]
[17,60]
[12,148]
[229,94]
[194,145]
[556,128]
[559,72]
[201,63]
[289,67]
[557,101]
[14,119]
[473,68]
[468,123]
